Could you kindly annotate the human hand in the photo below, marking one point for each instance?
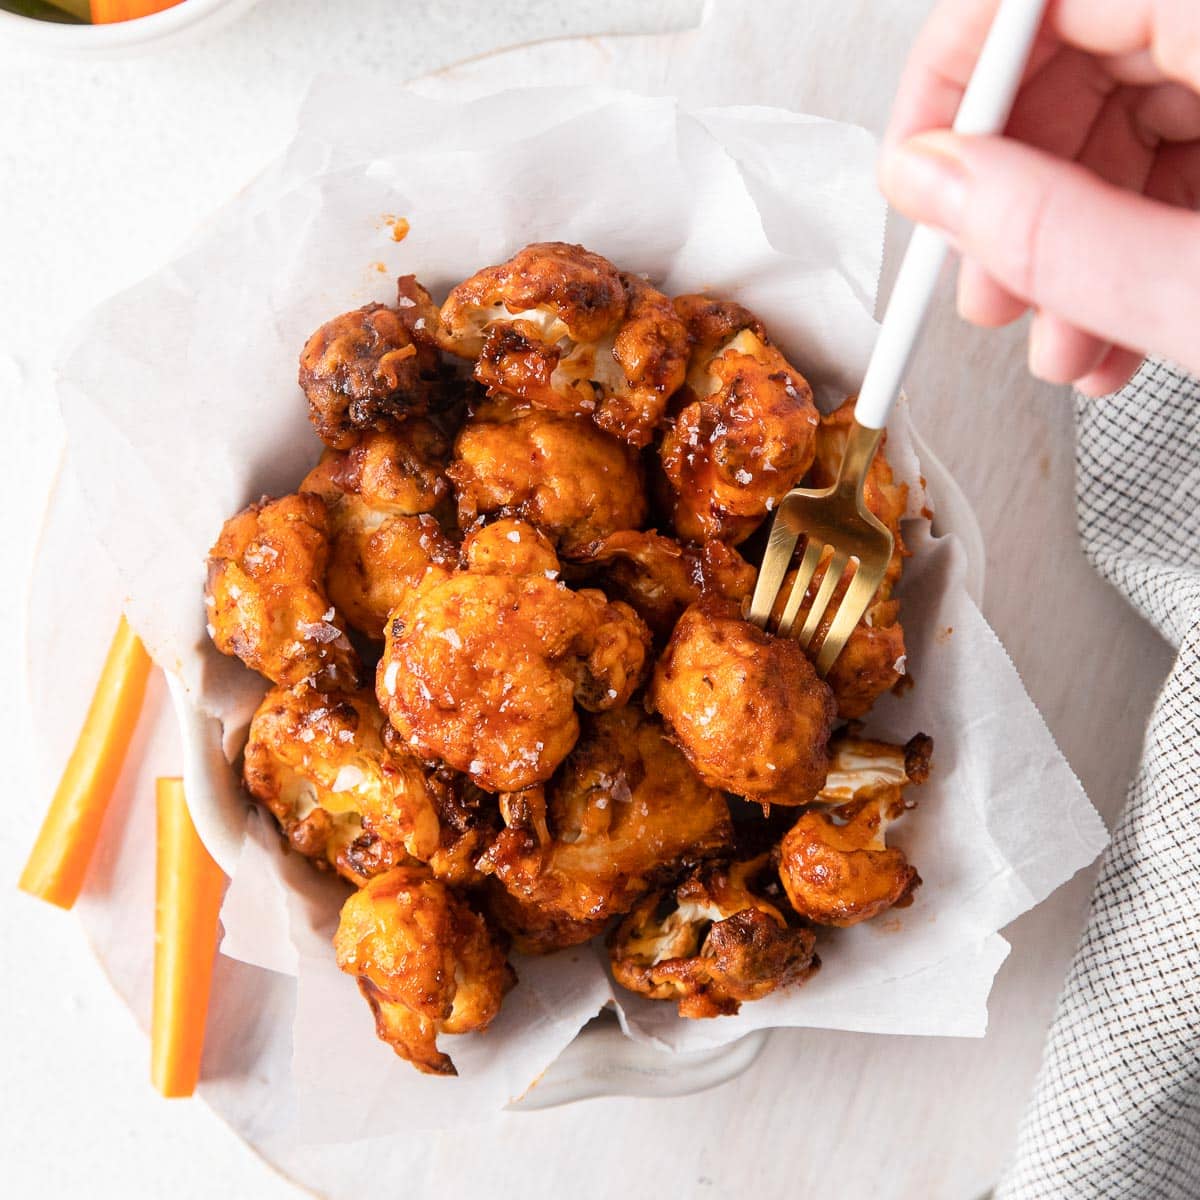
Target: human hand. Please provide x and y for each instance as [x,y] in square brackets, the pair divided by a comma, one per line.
[1086,209]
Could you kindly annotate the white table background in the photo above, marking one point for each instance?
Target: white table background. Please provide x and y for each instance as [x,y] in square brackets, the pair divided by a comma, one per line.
[104,169]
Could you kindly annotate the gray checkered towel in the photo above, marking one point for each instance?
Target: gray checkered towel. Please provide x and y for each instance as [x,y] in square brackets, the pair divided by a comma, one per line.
[1116,1110]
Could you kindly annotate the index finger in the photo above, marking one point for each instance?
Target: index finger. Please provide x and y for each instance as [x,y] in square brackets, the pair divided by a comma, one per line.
[940,65]
[1142,40]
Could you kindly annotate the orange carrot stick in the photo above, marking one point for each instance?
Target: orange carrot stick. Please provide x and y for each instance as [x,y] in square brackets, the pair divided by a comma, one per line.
[188,891]
[59,859]
[105,12]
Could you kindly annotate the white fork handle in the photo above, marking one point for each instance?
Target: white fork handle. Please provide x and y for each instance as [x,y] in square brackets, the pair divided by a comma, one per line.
[984,109]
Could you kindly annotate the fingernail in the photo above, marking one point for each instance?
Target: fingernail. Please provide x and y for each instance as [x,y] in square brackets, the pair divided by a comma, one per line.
[925,180]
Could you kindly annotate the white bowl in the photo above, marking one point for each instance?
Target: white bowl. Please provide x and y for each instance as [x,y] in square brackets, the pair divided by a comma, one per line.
[122,37]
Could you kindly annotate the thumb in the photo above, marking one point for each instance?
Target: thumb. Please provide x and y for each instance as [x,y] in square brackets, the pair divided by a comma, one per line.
[1110,261]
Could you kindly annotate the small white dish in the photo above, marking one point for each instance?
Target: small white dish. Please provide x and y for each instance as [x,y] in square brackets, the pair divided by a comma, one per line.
[122,37]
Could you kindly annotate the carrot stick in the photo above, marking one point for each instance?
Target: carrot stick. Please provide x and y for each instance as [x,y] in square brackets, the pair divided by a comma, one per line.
[188,891]
[59,859]
[105,12]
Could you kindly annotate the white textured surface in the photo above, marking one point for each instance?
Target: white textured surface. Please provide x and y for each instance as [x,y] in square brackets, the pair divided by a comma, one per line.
[120,160]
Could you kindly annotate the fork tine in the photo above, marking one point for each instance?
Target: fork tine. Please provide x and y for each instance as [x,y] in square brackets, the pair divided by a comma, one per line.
[854,603]
[808,567]
[776,559]
[830,580]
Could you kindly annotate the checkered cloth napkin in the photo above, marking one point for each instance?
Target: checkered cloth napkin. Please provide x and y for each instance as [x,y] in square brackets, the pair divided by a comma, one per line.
[1116,1110]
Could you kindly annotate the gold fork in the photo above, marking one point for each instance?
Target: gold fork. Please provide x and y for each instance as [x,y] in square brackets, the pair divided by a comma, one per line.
[836,517]
[835,522]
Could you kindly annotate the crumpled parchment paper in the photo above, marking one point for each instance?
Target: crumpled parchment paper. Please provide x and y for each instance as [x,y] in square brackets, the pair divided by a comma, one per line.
[180,406]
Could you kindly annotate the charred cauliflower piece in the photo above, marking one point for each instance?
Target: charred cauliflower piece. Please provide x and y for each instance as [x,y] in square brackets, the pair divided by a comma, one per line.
[469,821]
[482,669]
[371,368]
[424,961]
[873,660]
[559,328]
[343,798]
[659,578]
[745,707]
[713,943]
[265,595]
[398,472]
[379,495]
[624,810]
[556,471]
[837,869]
[746,431]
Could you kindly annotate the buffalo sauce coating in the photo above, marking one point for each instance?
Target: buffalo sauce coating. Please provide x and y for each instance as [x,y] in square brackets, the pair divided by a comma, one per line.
[482,667]
[746,708]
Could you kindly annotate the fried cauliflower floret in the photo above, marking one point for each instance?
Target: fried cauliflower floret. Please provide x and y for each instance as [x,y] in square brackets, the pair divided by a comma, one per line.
[320,765]
[509,547]
[379,495]
[556,471]
[650,350]
[864,769]
[746,432]
[469,821]
[837,869]
[658,577]
[873,660]
[481,670]
[710,323]
[398,472]
[713,943]
[843,874]
[745,707]
[624,810]
[371,368]
[425,963]
[266,600]
[559,328]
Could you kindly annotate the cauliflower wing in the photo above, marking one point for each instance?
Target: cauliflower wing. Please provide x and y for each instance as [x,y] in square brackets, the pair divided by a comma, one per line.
[746,431]
[658,577]
[469,821]
[873,659]
[398,472]
[872,662]
[320,765]
[556,471]
[841,871]
[624,810]
[379,495]
[560,328]
[371,368]
[425,963]
[481,669]
[713,943]
[864,769]
[746,707]
[509,546]
[265,595]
